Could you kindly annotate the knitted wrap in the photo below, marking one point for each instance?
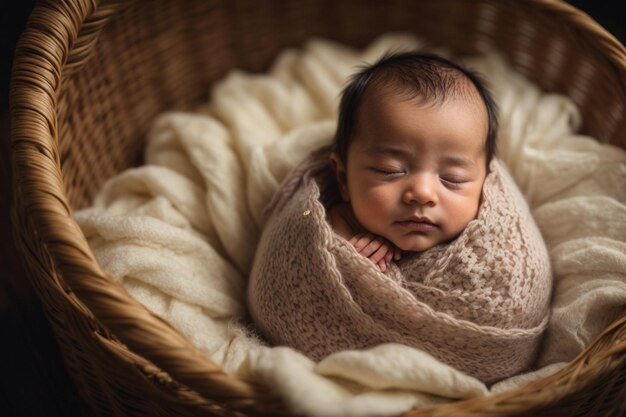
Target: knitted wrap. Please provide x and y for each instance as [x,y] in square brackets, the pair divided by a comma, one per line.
[479,303]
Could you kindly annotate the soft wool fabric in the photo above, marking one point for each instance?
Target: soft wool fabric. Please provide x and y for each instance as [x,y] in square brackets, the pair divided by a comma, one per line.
[180,231]
[479,303]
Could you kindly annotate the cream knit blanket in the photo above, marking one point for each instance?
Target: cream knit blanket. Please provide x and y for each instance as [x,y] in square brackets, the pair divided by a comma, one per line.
[479,303]
[180,232]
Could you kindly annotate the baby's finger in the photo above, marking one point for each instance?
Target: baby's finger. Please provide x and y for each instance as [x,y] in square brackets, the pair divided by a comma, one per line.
[388,256]
[355,238]
[371,248]
[360,241]
[380,254]
[382,265]
[397,253]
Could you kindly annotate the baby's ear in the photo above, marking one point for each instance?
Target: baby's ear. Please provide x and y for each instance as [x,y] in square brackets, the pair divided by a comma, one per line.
[339,169]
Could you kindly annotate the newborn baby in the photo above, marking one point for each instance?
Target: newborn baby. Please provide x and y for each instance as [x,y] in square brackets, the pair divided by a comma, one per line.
[407,230]
[415,138]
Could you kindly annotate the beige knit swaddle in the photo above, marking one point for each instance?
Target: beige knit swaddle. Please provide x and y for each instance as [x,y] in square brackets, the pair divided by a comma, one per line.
[479,303]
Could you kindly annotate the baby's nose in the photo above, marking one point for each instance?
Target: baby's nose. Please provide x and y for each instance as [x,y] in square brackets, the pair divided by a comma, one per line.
[422,190]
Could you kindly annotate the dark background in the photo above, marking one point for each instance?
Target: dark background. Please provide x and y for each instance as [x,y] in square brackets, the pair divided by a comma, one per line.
[33,381]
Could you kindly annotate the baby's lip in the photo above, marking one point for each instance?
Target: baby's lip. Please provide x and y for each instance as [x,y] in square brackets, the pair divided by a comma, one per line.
[418,224]
[420,219]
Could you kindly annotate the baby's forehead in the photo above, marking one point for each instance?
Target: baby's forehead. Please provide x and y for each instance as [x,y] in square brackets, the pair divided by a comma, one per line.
[392,110]
[376,93]
[436,83]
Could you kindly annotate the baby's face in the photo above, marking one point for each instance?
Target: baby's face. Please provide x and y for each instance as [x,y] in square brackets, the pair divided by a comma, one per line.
[414,172]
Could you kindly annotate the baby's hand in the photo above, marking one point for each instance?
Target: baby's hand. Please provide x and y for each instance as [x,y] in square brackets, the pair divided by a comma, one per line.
[376,248]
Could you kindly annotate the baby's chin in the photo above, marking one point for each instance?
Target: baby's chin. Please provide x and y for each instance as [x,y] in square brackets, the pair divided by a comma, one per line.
[417,243]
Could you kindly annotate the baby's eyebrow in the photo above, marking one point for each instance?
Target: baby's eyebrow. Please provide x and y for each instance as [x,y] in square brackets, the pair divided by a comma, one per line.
[458,161]
[388,150]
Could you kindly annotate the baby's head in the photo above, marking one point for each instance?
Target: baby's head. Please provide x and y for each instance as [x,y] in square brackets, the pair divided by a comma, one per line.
[415,136]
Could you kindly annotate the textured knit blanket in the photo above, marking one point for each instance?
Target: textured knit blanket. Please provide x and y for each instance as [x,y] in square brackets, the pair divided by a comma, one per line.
[479,303]
[180,232]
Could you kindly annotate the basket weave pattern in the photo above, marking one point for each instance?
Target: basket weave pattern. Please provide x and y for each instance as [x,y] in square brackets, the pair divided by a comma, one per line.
[90,76]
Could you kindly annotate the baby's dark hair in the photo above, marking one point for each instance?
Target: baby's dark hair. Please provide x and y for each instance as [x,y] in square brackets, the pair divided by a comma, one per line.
[429,76]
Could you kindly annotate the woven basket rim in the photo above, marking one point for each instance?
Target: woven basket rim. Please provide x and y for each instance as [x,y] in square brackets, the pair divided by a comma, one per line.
[609,46]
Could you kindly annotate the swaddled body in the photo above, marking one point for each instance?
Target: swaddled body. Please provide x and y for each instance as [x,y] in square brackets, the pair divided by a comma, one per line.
[415,172]
[479,303]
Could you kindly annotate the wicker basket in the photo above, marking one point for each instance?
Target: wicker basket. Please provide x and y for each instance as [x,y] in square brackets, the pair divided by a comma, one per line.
[89,77]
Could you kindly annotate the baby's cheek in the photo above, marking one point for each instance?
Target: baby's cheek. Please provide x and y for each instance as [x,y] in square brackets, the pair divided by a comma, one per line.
[378,199]
[461,213]
[374,207]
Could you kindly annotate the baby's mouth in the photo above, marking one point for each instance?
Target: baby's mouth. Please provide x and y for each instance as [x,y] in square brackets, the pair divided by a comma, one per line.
[418,224]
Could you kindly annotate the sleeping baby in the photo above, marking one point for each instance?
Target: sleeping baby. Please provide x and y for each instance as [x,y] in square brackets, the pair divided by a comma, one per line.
[407,229]
[415,138]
